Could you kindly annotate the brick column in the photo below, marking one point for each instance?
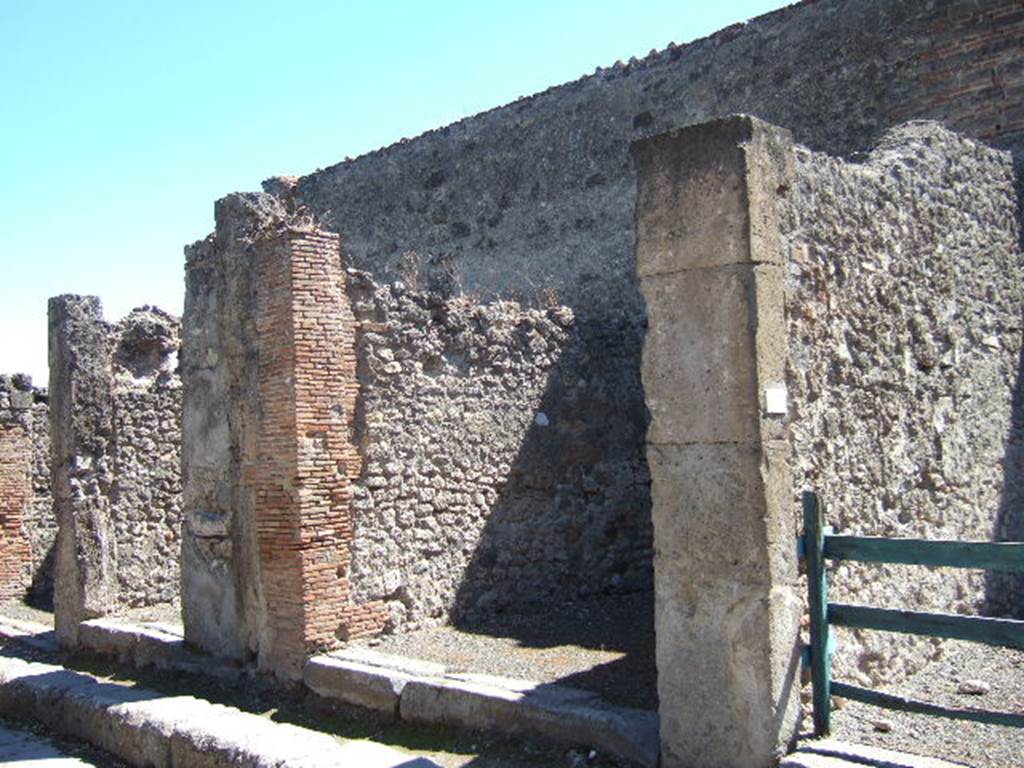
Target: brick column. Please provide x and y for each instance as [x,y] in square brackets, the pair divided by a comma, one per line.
[709,256]
[269,372]
[303,460]
[85,580]
[16,493]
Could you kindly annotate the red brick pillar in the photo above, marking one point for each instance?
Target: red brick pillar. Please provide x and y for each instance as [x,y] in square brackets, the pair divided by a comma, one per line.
[15,492]
[300,465]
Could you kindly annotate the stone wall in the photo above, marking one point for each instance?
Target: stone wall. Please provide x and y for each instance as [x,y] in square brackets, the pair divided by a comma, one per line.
[114,424]
[40,521]
[905,313]
[28,516]
[437,414]
[534,201]
[146,490]
[458,513]
[851,327]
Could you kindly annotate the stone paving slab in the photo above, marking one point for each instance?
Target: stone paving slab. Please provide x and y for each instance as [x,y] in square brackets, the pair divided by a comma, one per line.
[150,645]
[421,692]
[20,749]
[404,664]
[361,685]
[146,728]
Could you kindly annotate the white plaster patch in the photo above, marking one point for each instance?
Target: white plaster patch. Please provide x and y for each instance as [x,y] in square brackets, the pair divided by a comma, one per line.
[776,400]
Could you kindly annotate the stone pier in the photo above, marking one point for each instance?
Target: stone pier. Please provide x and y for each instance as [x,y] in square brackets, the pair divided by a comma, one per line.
[709,256]
[81,418]
[270,399]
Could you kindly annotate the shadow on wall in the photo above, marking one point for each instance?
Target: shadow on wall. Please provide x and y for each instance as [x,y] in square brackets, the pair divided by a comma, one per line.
[565,557]
[40,591]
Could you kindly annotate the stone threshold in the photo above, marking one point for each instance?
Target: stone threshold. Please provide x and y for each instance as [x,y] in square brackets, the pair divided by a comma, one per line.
[395,687]
[424,692]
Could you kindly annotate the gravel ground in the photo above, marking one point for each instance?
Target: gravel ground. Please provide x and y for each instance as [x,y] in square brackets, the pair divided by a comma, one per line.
[169,613]
[604,644]
[975,744]
[16,609]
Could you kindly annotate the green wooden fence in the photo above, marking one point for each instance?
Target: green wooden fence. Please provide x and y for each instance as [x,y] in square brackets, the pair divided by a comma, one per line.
[820,544]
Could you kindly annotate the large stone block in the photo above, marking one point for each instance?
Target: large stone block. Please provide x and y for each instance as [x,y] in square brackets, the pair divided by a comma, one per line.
[361,685]
[554,713]
[706,195]
[81,428]
[727,607]
[714,343]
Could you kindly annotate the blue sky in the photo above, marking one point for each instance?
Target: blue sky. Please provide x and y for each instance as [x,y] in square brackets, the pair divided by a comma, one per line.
[124,120]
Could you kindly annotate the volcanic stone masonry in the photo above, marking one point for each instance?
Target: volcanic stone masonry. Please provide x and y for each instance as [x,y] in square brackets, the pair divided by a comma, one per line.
[851,327]
[534,201]
[905,307]
[27,526]
[454,514]
[115,405]
[431,501]
[537,197]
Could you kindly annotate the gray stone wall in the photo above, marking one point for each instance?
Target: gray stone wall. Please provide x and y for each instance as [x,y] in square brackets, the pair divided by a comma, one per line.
[459,513]
[40,522]
[468,447]
[534,201]
[905,306]
[146,492]
[114,427]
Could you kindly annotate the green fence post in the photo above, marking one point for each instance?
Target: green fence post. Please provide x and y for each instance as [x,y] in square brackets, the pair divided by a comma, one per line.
[817,585]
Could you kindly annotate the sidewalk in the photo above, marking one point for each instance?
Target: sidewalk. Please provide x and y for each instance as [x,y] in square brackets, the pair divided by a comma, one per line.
[21,749]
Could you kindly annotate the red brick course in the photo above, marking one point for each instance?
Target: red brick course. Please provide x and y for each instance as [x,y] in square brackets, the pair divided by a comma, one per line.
[971,76]
[301,469]
[15,499]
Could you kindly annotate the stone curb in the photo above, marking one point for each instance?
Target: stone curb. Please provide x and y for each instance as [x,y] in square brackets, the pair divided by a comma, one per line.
[151,645]
[147,729]
[406,689]
[26,750]
[484,703]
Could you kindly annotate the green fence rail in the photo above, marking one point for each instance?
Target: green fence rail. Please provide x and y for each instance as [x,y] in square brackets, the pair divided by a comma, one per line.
[819,544]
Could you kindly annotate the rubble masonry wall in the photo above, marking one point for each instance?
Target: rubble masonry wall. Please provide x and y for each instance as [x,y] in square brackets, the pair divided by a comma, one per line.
[24,413]
[16,492]
[905,314]
[453,510]
[115,432]
[534,201]
[441,441]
